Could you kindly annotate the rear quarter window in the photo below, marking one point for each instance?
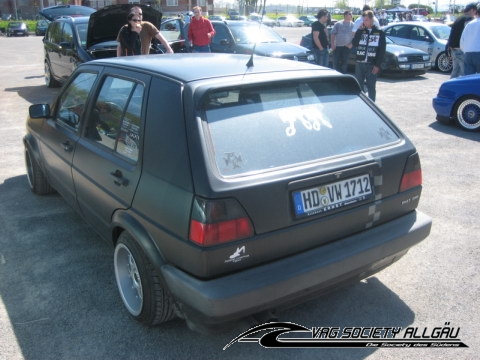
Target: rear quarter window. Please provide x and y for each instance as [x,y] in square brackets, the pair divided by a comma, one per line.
[259,129]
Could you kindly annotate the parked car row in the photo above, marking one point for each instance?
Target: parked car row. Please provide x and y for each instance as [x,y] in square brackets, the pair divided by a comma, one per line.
[399,60]
[70,41]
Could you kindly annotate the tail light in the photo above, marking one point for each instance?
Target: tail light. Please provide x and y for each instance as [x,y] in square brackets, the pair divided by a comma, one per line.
[215,222]
[412,174]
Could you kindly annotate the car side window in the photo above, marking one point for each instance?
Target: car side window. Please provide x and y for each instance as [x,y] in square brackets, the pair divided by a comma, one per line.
[422,34]
[171,30]
[72,102]
[401,31]
[221,33]
[67,36]
[55,33]
[115,121]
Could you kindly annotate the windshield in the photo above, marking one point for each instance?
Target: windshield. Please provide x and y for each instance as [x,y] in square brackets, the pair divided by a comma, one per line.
[258,129]
[441,32]
[250,34]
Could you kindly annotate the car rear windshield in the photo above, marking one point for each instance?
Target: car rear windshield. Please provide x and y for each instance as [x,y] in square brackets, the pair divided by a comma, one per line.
[258,129]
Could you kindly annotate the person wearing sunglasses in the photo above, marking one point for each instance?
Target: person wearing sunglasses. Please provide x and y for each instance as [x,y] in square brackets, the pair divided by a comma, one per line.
[136,36]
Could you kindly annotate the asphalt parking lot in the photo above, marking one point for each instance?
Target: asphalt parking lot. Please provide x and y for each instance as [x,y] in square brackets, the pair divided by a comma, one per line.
[58,297]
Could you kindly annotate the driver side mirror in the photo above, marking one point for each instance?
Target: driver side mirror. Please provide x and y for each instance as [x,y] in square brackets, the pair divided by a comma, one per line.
[39,111]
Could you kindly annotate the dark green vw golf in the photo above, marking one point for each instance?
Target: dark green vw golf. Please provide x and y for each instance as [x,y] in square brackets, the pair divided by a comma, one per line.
[228,186]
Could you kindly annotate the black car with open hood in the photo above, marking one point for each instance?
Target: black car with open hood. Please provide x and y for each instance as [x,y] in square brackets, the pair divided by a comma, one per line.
[72,39]
[105,23]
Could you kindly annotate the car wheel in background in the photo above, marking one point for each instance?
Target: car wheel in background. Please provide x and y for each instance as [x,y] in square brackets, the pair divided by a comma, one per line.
[49,80]
[36,178]
[444,63]
[140,285]
[467,113]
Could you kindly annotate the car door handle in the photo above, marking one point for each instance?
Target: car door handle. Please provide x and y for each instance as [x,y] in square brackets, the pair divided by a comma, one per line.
[118,178]
[67,146]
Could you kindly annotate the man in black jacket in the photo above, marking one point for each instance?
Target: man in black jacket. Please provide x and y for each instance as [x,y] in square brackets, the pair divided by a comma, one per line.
[371,46]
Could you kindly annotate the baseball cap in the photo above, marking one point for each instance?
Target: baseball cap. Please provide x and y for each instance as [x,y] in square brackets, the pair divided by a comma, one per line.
[471,6]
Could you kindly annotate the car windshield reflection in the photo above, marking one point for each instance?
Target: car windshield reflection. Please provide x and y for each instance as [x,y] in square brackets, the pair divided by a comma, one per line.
[255,34]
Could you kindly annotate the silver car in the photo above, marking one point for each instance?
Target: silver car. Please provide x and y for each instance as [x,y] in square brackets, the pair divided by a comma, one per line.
[430,37]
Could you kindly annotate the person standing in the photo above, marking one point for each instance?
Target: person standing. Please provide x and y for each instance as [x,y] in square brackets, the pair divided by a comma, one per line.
[453,44]
[341,42]
[371,47]
[136,36]
[320,38]
[200,31]
[470,45]
[359,21]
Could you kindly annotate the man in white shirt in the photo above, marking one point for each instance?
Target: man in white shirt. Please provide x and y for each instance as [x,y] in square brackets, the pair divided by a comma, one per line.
[470,45]
[359,21]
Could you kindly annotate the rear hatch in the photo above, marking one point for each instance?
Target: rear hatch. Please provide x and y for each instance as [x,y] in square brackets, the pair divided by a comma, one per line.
[104,25]
[53,12]
[291,166]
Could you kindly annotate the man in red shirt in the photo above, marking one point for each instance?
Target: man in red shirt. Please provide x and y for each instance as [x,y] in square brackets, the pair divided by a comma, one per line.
[200,31]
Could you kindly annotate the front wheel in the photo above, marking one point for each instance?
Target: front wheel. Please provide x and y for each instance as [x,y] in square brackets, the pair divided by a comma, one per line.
[467,113]
[444,63]
[36,178]
[139,284]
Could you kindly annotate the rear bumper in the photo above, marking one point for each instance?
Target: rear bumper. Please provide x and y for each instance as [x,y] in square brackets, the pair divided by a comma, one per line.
[295,279]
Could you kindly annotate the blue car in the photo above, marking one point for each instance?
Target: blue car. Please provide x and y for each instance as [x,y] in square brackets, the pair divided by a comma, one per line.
[458,100]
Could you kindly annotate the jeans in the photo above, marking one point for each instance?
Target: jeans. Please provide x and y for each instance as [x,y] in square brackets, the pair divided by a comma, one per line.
[201,49]
[321,56]
[340,58]
[472,63]
[363,73]
[458,63]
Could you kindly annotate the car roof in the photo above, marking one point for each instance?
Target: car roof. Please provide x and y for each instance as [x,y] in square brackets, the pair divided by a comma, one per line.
[237,22]
[418,23]
[212,65]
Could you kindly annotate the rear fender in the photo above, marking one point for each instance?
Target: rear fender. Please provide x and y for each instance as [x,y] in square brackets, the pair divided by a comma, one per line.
[123,221]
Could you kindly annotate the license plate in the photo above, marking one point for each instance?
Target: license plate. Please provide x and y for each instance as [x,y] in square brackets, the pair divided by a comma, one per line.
[417,66]
[332,196]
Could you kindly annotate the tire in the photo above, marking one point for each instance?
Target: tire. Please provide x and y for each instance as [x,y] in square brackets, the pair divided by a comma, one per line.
[444,63]
[49,80]
[36,178]
[467,113]
[140,285]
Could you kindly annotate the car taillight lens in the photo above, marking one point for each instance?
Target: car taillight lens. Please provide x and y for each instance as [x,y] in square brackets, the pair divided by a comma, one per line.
[215,222]
[412,174]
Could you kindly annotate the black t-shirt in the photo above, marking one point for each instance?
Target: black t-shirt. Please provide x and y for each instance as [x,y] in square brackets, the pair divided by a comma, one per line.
[322,36]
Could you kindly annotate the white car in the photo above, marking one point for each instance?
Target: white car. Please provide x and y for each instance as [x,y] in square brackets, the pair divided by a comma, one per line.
[289,20]
[430,37]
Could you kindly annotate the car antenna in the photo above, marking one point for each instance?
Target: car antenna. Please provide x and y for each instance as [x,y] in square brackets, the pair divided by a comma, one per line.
[250,61]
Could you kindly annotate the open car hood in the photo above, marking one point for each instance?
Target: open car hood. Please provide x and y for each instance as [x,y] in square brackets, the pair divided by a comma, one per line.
[105,23]
[53,12]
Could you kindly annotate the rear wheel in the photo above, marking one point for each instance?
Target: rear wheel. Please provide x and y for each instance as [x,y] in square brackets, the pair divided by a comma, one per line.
[139,284]
[36,179]
[49,80]
[444,63]
[467,113]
